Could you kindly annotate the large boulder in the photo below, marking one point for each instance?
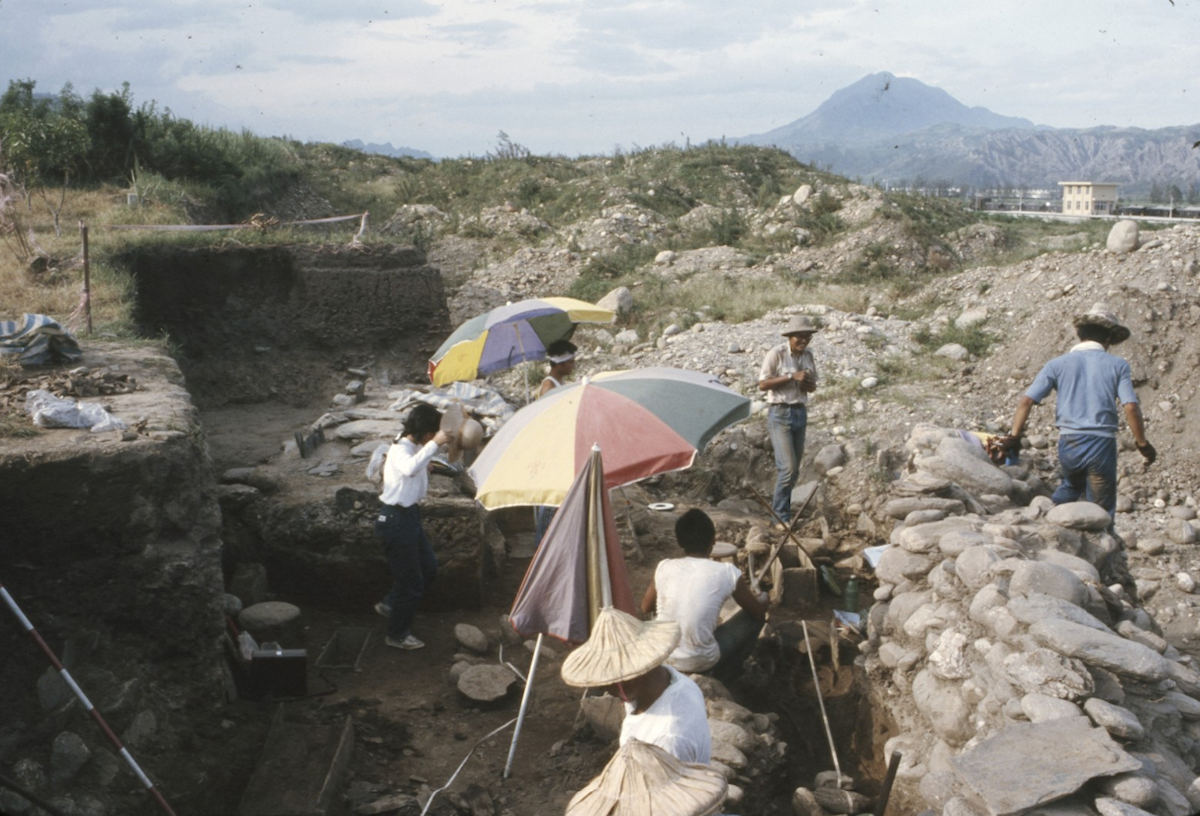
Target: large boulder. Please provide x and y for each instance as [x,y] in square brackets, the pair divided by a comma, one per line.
[619,300]
[1123,237]
[963,462]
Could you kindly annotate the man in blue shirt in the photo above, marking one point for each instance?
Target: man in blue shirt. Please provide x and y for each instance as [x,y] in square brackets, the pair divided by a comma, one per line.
[1090,382]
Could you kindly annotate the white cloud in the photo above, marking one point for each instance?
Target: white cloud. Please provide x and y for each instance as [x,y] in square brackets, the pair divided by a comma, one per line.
[584,75]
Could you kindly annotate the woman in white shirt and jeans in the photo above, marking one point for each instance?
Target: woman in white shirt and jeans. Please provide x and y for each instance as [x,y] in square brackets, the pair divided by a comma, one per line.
[409,554]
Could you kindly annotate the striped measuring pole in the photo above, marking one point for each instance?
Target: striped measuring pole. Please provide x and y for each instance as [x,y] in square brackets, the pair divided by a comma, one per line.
[83,698]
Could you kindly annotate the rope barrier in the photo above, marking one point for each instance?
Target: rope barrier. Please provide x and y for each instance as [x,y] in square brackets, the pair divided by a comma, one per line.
[87,704]
[251,224]
[462,764]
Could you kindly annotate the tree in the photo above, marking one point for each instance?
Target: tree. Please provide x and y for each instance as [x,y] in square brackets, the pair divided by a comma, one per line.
[506,148]
[111,134]
[64,142]
[44,141]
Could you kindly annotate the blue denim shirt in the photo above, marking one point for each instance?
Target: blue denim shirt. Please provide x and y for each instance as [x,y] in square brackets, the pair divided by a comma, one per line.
[1090,382]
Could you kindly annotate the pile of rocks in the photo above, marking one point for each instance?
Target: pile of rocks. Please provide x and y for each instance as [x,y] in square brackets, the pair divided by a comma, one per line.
[1023,677]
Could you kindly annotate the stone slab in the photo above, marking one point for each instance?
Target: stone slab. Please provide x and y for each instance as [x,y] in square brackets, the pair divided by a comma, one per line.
[1028,764]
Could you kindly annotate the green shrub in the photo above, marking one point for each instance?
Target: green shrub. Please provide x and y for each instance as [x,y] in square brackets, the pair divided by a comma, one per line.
[726,228]
[605,271]
[974,339]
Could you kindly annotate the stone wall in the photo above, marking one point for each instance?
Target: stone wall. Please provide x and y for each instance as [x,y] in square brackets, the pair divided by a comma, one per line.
[1010,646]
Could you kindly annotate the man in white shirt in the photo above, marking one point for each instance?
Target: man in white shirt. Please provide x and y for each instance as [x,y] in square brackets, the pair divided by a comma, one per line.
[691,591]
[788,375]
[625,656]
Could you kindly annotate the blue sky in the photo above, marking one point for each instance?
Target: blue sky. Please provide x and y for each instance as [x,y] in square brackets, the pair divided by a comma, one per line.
[576,76]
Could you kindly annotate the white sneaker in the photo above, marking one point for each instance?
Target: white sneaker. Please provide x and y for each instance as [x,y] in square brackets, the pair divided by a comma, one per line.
[383,609]
[407,642]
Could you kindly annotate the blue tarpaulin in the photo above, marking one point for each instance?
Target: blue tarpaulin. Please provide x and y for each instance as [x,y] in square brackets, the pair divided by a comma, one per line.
[38,339]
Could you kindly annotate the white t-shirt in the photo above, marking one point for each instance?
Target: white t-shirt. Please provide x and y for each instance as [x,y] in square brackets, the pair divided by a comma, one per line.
[691,592]
[677,722]
[406,472]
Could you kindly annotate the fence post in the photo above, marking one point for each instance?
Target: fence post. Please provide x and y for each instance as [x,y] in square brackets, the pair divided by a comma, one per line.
[87,277]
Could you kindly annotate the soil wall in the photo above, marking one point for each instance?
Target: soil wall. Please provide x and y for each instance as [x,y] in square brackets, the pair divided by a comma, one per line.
[278,323]
[111,547]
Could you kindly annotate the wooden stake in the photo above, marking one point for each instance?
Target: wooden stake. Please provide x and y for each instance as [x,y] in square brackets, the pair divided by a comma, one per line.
[87,277]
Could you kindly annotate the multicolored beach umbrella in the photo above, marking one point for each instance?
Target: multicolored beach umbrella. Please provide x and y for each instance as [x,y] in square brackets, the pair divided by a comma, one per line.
[646,421]
[508,335]
[579,567]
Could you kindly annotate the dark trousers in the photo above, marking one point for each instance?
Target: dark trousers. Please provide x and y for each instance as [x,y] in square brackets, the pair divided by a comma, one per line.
[411,561]
[1089,470]
[735,638]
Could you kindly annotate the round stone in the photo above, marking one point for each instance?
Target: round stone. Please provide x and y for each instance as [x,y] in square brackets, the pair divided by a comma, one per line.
[276,621]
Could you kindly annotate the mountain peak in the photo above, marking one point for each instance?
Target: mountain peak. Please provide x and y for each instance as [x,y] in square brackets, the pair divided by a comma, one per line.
[880,106]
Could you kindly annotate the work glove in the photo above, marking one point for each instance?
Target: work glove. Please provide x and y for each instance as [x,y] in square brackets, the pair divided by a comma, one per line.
[999,448]
[1148,453]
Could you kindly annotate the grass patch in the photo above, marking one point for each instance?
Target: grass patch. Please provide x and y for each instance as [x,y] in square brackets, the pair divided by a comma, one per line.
[16,426]
[974,339]
[926,218]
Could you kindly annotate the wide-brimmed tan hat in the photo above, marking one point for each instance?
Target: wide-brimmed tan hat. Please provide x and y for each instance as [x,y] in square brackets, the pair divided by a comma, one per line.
[800,324]
[620,648]
[644,780]
[1101,315]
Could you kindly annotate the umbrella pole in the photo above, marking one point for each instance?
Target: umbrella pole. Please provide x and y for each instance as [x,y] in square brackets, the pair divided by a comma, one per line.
[637,545]
[596,489]
[521,354]
[512,748]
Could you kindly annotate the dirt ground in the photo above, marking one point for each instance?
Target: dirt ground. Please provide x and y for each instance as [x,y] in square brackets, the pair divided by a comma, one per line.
[414,728]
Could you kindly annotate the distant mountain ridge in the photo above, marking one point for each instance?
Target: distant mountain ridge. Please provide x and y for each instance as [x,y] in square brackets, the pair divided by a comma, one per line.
[386,149]
[898,130]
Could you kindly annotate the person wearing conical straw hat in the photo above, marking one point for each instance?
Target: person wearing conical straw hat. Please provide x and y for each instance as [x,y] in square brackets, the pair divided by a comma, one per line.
[663,707]
[644,780]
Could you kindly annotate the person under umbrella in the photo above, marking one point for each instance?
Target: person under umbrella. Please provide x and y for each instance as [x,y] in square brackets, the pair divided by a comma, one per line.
[662,707]
[691,590]
[409,554]
[644,780]
[561,356]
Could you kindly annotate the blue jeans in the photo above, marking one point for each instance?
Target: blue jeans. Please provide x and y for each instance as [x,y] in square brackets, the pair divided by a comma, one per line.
[411,561]
[1089,469]
[735,638]
[786,425]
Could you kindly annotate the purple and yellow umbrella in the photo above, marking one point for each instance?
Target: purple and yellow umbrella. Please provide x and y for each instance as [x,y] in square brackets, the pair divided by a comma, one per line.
[646,421]
[508,335]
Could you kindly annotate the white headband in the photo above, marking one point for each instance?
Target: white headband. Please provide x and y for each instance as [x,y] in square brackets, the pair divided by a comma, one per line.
[560,358]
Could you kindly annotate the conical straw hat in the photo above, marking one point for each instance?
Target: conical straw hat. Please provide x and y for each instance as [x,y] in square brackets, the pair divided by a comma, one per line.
[620,648]
[644,780]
